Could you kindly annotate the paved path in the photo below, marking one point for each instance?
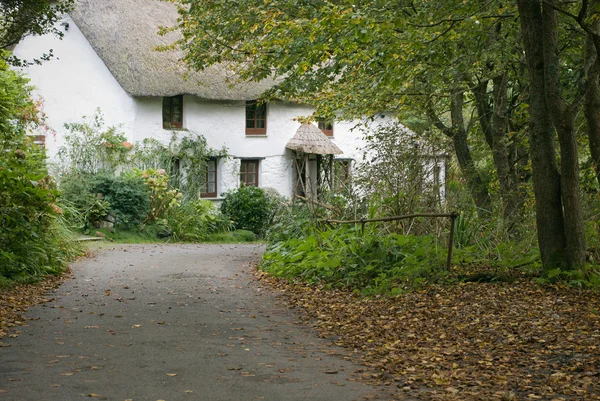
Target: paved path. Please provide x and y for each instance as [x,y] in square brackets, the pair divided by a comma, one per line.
[171,322]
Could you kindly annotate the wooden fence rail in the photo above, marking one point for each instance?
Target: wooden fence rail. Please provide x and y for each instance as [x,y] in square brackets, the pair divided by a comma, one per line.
[452,216]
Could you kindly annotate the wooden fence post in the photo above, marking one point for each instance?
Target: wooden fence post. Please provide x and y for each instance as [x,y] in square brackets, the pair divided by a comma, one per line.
[453,217]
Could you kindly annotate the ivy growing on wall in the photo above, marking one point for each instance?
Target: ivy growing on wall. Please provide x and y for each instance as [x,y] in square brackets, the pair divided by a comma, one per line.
[183,158]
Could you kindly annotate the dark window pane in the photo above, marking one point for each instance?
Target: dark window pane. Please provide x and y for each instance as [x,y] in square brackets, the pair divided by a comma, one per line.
[166,109]
[177,115]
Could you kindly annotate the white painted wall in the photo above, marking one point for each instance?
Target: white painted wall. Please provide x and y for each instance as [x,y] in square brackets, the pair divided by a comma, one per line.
[73,84]
[222,123]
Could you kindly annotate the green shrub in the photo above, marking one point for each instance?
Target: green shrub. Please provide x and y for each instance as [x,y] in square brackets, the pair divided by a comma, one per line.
[249,209]
[195,220]
[91,148]
[94,196]
[34,239]
[292,221]
[344,257]
[161,197]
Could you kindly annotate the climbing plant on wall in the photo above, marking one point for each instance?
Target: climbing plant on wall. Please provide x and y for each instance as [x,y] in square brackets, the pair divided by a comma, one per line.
[183,158]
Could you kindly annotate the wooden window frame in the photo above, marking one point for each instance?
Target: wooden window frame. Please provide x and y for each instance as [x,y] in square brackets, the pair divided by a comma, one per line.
[216,170]
[323,124]
[244,172]
[254,130]
[169,124]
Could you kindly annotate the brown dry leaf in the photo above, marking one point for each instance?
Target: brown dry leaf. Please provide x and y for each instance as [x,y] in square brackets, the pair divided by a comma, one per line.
[108,293]
[171,374]
[15,301]
[136,326]
[471,341]
[94,395]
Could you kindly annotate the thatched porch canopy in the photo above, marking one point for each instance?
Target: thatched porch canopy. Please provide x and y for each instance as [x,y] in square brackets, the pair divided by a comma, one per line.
[124,33]
[310,139]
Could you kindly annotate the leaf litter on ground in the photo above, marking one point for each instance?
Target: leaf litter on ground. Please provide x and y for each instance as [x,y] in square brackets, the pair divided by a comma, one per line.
[15,301]
[469,341]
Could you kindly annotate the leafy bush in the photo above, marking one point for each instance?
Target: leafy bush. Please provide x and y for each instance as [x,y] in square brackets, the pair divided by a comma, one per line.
[161,198]
[249,208]
[195,220]
[343,257]
[96,195]
[91,148]
[34,241]
[292,221]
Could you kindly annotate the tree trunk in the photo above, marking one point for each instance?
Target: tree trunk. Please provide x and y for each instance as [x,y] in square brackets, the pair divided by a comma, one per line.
[592,95]
[546,179]
[494,124]
[458,133]
[563,119]
[478,189]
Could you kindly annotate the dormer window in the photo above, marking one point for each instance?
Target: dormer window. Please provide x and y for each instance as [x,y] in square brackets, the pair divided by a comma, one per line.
[256,118]
[172,112]
[326,126]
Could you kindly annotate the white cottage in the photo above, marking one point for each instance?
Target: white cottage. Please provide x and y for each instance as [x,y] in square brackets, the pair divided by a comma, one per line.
[107,60]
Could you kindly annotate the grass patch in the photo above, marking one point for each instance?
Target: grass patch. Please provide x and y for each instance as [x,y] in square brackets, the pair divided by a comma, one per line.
[232,237]
[149,235]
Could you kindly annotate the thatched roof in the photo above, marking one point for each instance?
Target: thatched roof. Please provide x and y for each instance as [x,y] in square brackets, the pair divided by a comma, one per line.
[310,139]
[124,32]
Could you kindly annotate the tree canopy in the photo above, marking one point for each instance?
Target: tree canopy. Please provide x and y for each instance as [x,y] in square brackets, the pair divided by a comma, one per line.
[19,18]
[459,65]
